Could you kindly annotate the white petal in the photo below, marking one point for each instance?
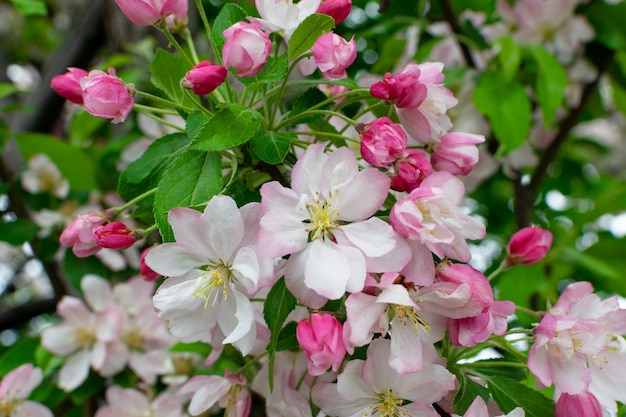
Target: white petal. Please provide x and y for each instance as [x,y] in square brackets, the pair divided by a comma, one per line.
[97,291]
[74,371]
[172,259]
[224,226]
[373,236]
[246,269]
[236,317]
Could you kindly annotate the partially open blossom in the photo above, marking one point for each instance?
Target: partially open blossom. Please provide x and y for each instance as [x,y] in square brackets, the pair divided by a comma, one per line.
[114,235]
[528,246]
[381,141]
[204,78]
[42,175]
[178,19]
[412,167]
[144,270]
[284,15]
[79,234]
[68,85]
[456,152]
[246,48]
[15,388]
[482,293]
[337,9]
[333,54]
[320,337]
[228,391]
[470,331]
[579,405]
[147,12]
[106,96]
[131,402]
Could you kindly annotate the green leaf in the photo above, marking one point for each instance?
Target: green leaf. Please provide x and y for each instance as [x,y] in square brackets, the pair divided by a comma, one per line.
[83,126]
[307,32]
[76,268]
[595,265]
[277,69]
[82,176]
[145,172]
[619,97]
[509,57]
[88,389]
[305,101]
[287,339]
[608,23]
[166,71]
[195,121]
[278,304]
[201,348]
[23,351]
[509,394]
[550,84]
[272,147]
[507,107]
[30,7]
[229,127]
[190,179]
[493,369]
[18,231]
[467,393]
[6,89]
[228,16]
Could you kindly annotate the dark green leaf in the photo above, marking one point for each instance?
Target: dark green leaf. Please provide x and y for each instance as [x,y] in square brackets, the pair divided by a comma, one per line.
[194,122]
[509,394]
[65,156]
[88,389]
[276,69]
[305,101]
[229,127]
[76,268]
[271,147]
[595,265]
[491,367]
[228,16]
[287,338]
[166,71]
[5,135]
[468,391]
[191,179]
[608,23]
[23,351]
[31,7]
[307,33]
[278,304]
[550,84]
[145,172]
[18,231]
[507,107]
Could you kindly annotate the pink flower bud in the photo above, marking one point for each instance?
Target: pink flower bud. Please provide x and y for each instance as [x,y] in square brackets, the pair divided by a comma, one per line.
[337,9]
[412,167]
[381,141]
[68,85]
[580,405]
[333,54]
[79,234]
[459,274]
[204,78]
[405,90]
[106,96]
[144,270]
[147,12]
[528,246]
[456,153]
[114,235]
[322,342]
[246,48]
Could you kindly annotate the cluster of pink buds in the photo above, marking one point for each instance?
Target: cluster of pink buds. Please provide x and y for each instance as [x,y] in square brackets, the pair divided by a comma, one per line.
[90,232]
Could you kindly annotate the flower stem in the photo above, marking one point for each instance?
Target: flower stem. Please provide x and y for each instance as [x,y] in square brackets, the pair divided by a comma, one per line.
[145,111]
[135,200]
[172,40]
[500,269]
[162,101]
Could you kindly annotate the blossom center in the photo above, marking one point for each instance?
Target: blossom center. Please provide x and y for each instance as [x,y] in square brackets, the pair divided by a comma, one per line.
[387,405]
[322,220]
[84,337]
[407,315]
[214,281]
[8,406]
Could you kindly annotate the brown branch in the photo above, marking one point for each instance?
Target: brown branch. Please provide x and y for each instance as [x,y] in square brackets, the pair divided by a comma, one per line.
[450,16]
[18,316]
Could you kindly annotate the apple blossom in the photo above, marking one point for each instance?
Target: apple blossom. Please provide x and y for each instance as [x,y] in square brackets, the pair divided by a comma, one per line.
[68,85]
[469,331]
[204,78]
[147,12]
[229,392]
[79,234]
[42,175]
[337,9]
[15,388]
[131,403]
[177,20]
[333,54]
[456,152]
[114,235]
[246,48]
[284,15]
[106,96]
[528,246]
[381,141]
[412,167]
[581,405]
[478,408]
[321,340]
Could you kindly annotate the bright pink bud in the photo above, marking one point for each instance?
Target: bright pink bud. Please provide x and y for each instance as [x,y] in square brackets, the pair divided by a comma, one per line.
[246,48]
[147,12]
[79,234]
[579,405]
[333,54]
[528,246]
[337,9]
[456,153]
[405,90]
[459,274]
[322,342]
[68,85]
[144,270]
[204,78]
[106,96]
[381,141]
[412,168]
[471,331]
[114,235]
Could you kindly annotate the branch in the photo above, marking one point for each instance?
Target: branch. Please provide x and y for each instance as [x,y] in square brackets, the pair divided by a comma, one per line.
[450,16]
[21,315]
